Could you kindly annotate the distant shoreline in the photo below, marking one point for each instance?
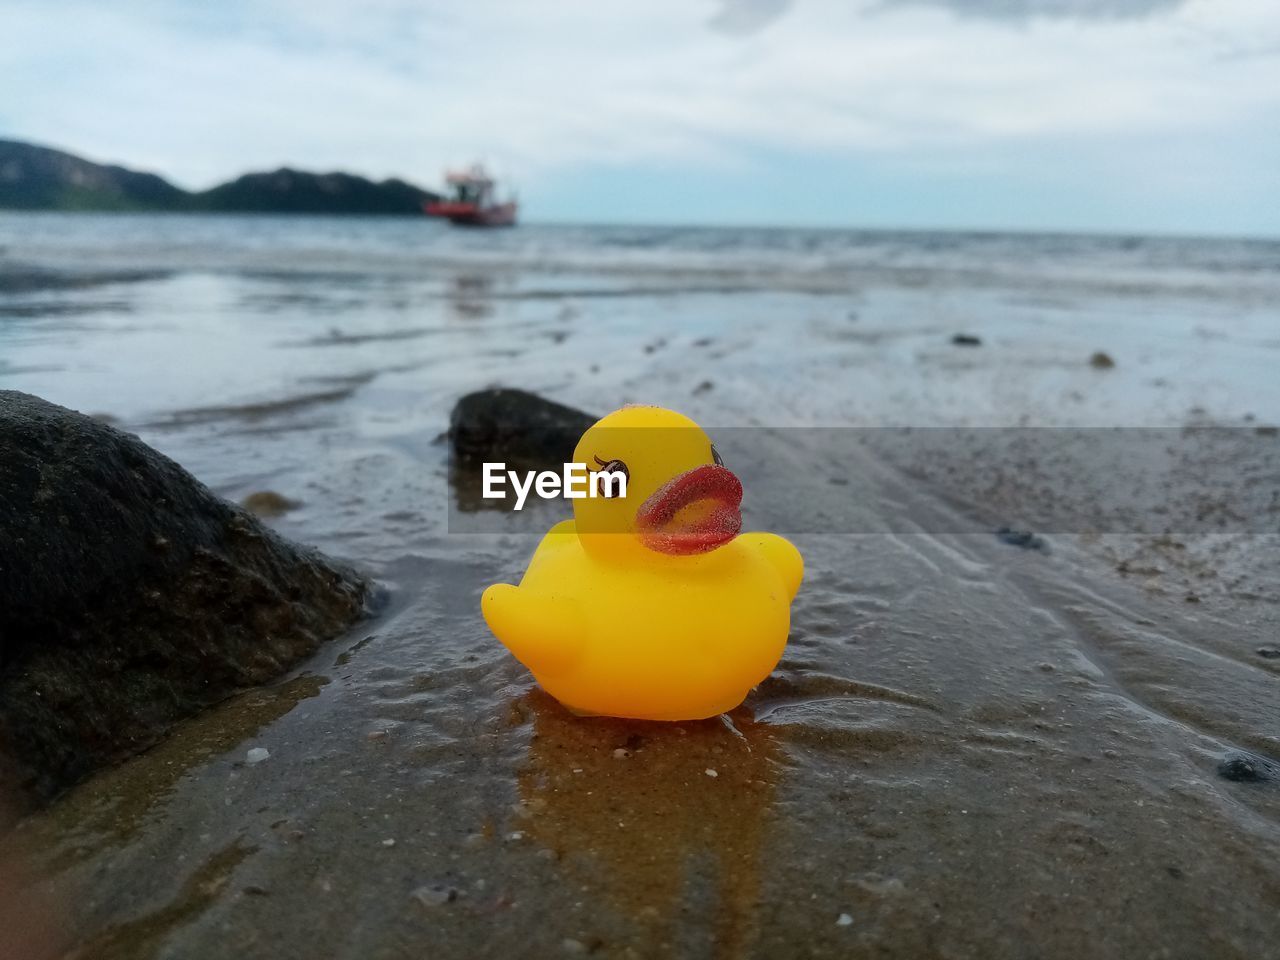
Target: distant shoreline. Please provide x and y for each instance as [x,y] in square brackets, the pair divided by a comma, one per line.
[1117,237]
[38,178]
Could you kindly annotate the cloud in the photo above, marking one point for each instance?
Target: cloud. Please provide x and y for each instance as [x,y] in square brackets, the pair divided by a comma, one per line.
[743,17]
[1061,9]
[203,92]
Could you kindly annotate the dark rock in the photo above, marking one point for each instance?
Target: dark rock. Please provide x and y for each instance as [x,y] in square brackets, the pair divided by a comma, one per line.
[1101,361]
[1242,767]
[966,340]
[515,427]
[1022,538]
[1271,653]
[131,596]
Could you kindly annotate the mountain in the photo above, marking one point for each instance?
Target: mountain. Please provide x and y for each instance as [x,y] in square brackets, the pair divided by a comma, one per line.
[294,191]
[40,178]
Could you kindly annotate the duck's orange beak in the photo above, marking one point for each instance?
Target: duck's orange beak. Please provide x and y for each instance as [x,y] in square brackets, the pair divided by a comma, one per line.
[695,512]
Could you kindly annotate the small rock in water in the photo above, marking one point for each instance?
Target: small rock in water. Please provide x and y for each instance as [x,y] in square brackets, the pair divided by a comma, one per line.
[966,340]
[515,426]
[1241,767]
[435,895]
[257,755]
[1022,538]
[1271,653]
[844,920]
[268,503]
[706,386]
[1101,361]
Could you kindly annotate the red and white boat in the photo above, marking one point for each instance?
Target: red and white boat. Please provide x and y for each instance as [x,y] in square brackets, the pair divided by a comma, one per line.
[472,201]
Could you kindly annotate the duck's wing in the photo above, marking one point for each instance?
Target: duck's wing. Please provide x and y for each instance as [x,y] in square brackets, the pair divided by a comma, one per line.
[545,632]
[563,536]
[783,555]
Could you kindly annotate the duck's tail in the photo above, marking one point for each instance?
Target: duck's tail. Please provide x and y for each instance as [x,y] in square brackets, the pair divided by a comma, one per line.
[784,557]
[545,632]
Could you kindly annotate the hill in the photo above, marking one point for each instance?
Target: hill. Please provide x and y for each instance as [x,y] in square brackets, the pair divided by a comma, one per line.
[295,191]
[41,178]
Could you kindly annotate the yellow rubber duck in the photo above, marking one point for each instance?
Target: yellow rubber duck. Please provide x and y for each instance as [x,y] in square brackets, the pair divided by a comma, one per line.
[653,605]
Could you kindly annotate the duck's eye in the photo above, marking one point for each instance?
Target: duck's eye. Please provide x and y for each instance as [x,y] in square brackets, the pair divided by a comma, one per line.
[612,466]
[715,456]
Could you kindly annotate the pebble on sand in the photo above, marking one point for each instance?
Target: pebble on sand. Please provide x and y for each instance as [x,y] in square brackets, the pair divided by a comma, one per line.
[436,895]
[1241,767]
[1022,538]
[1101,361]
[257,755]
[711,773]
[844,920]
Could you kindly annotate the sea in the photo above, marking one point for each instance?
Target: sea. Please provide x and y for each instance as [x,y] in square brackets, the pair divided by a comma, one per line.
[988,736]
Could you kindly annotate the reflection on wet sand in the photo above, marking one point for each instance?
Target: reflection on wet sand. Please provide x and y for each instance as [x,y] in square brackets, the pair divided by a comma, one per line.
[31,921]
[470,296]
[142,937]
[667,821]
[123,798]
[108,812]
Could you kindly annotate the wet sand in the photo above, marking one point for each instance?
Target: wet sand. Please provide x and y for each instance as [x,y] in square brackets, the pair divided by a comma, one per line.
[970,748]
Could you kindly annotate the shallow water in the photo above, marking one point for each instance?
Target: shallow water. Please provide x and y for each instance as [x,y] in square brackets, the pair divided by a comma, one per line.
[969,749]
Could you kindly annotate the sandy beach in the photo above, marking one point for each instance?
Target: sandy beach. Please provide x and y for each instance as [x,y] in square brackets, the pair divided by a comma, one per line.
[1062,740]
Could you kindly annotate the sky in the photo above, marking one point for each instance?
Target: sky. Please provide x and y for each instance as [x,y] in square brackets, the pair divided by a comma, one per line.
[1134,116]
